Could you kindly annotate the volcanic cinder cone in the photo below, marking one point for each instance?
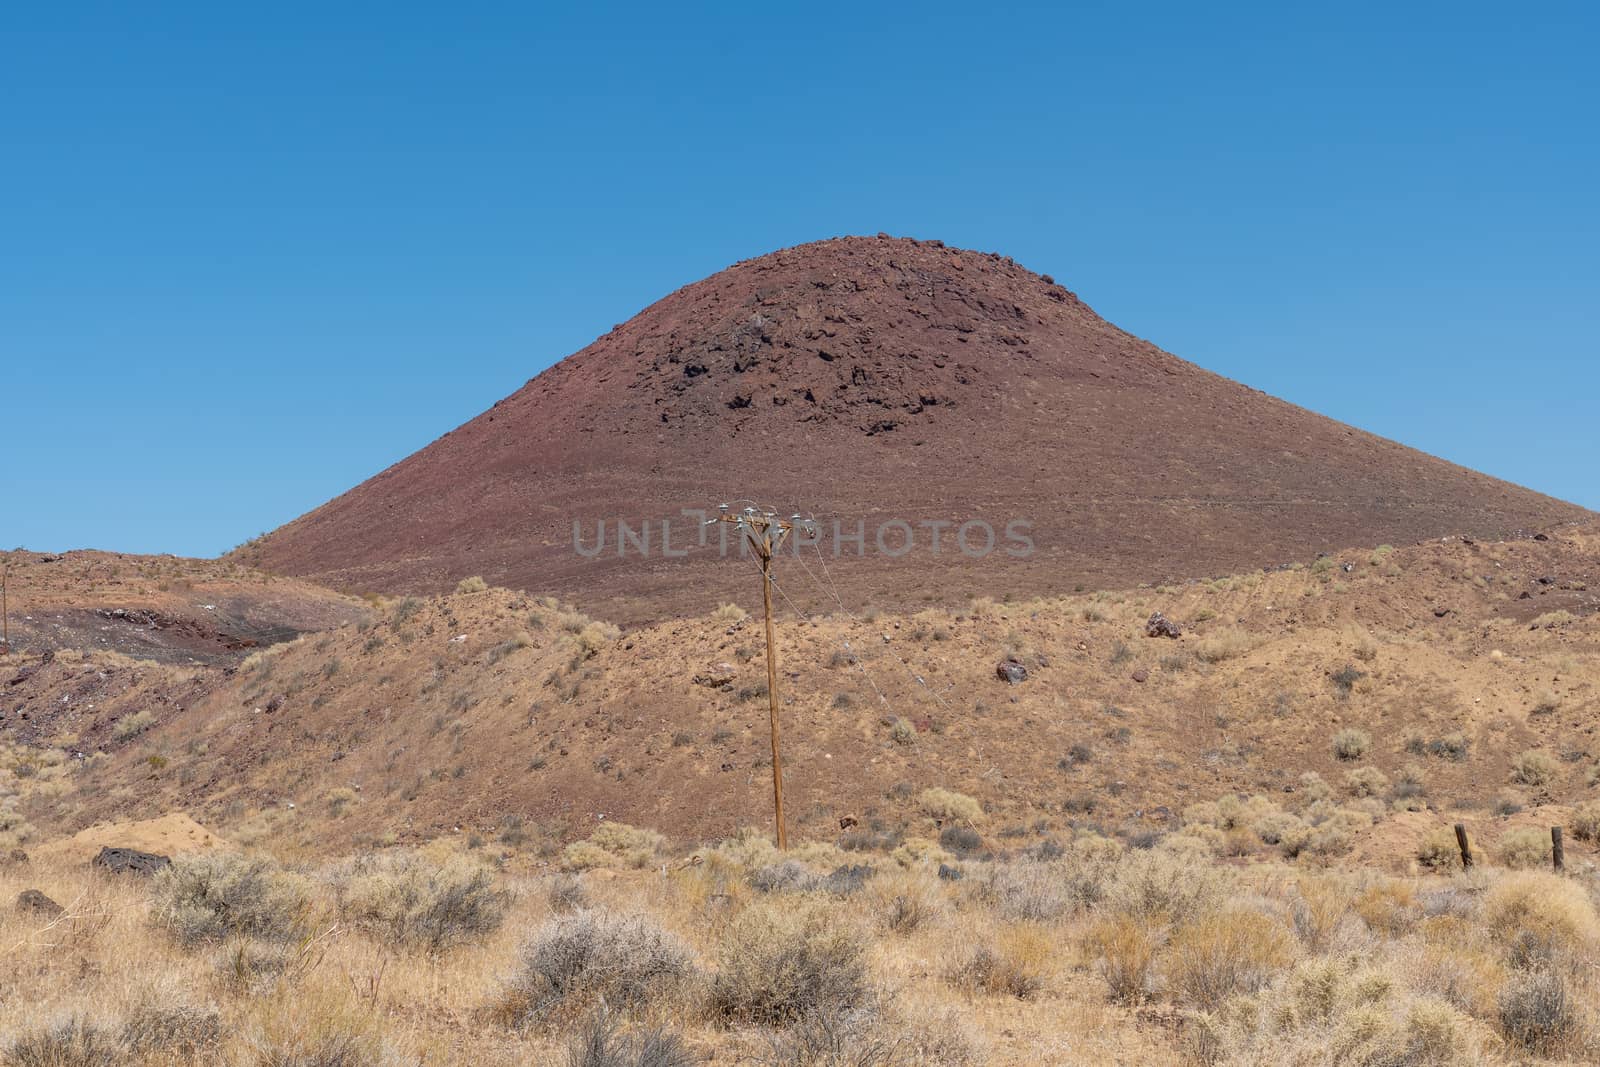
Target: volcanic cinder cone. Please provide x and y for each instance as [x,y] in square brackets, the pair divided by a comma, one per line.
[867,380]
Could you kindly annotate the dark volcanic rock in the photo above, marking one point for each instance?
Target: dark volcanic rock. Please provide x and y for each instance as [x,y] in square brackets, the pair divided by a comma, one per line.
[31,900]
[129,861]
[1161,626]
[1011,671]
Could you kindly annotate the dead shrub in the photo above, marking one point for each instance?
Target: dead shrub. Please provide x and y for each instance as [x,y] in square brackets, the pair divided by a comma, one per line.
[613,844]
[1536,1013]
[1013,965]
[1157,885]
[566,893]
[71,1042]
[1523,847]
[412,901]
[1351,743]
[1124,950]
[779,963]
[835,1039]
[1586,822]
[576,959]
[602,1044]
[211,896]
[1217,956]
[948,804]
[1534,768]
[1554,908]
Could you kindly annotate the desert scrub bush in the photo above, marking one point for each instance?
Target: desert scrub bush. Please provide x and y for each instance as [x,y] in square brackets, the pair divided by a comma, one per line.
[942,804]
[613,844]
[566,893]
[1366,782]
[1014,964]
[1586,822]
[960,840]
[601,1043]
[777,964]
[1551,619]
[1523,847]
[730,613]
[1026,890]
[474,584]
[576,960]
[170,1031]
[1351,743]
[130,726]
[1336,1011]
[903,732]
[903,901]
[214,895]
[340,799]
[412,901]
[1535,1013]
[1534,768]
[1223,646]
[857,1038]
[1439,851]
[1123,950]
[75,1041]
[1552,908]
[1157,885]
[1236,950]
[1344,681]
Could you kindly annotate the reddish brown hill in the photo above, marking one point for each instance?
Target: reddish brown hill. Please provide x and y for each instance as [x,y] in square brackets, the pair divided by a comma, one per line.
[867,380]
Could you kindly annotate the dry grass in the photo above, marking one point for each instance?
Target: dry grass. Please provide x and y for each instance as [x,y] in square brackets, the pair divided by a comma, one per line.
[1269,964]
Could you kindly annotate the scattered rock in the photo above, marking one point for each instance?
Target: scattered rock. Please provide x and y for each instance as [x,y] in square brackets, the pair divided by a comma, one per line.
[847,821]
[129,861]
[1440,613]
[36,902]
[948,873]
[14,858]
[1141,675]
[1011,671]
[718,677]
[1541,537]
[1161,626]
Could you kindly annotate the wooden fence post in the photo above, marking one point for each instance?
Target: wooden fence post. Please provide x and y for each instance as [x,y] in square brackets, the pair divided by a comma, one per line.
[1466,850]
[1558,855]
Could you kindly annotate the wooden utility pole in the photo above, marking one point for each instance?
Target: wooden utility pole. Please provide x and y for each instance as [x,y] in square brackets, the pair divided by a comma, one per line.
[765,533]
[1558,854]
[5,612]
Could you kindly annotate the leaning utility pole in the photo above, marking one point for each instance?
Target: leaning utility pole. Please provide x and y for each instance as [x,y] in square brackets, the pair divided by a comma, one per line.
[765,533]
[5,611]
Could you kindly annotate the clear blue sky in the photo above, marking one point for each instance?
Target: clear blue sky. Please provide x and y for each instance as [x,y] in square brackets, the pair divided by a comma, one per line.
[252,254]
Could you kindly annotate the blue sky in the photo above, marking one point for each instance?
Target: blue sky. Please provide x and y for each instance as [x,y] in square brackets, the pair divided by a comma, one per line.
[252,255]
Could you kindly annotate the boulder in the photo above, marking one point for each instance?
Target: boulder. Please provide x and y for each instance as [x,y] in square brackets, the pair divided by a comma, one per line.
[129,861]
[31,900]
[720,676]
[1159,625]
[1011,671]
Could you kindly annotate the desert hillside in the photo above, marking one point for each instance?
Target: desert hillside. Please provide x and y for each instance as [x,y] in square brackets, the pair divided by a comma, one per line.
[485,827]
[1465,672]
[869,381]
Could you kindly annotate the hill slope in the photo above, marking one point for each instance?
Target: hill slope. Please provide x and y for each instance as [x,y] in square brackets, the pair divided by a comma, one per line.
[867,380]
[464,711]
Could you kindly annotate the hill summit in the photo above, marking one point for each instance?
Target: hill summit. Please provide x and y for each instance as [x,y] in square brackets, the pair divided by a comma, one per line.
[956,423]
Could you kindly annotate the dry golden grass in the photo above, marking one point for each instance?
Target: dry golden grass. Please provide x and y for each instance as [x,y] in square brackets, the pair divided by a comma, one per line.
[1024,958]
